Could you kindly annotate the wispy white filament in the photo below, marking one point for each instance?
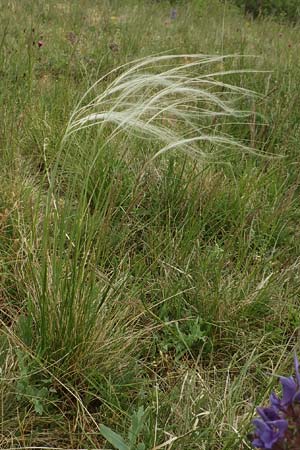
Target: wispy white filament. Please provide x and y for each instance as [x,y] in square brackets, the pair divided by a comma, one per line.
[154,99]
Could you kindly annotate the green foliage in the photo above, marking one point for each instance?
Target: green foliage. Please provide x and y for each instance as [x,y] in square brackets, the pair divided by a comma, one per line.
[113,438]
[136,428]
[199,4]
[289,9]
[30,386]
[189,337]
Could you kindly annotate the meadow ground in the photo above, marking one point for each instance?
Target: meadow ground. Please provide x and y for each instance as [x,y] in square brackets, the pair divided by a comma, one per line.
[158,297]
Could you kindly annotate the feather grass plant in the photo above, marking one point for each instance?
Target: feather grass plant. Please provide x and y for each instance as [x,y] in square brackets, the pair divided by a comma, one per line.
[172,102]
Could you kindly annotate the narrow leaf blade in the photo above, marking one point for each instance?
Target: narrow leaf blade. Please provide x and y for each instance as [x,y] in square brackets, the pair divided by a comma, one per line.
[113,438]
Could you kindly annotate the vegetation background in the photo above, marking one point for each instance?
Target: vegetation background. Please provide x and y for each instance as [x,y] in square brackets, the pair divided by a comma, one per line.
[285,9]
[144,303]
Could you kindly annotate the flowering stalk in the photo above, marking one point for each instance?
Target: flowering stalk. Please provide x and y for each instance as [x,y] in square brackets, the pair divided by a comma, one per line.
[278,427]
[168,99]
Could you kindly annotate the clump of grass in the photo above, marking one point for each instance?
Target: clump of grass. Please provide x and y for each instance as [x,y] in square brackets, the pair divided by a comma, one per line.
[176,106]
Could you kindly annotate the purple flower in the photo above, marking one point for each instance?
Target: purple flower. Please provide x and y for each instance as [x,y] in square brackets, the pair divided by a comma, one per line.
[173,14]
[268,414]
[267,433]
[279,424]
[296,363]
[289,390]
[275,401]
